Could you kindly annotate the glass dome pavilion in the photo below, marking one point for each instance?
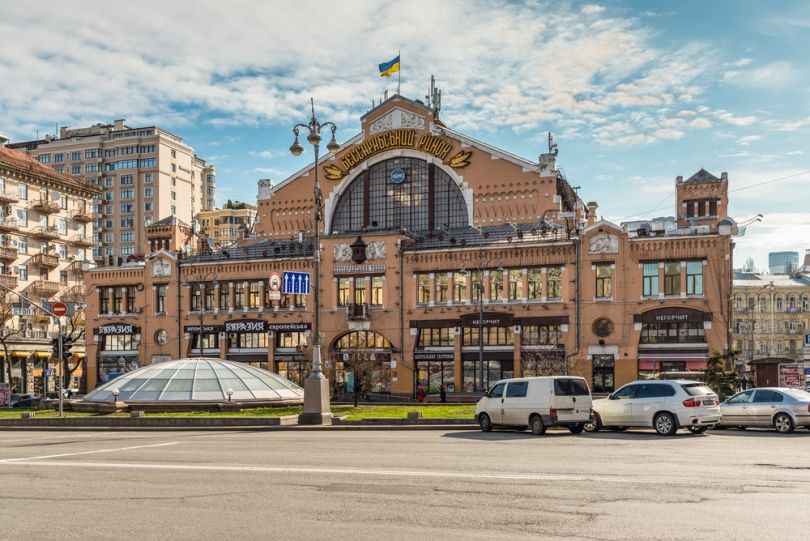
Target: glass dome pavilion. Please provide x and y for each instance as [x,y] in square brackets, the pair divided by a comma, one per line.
[204,380]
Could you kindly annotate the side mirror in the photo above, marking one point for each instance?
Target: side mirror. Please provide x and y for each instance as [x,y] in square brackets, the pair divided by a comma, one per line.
[611,397]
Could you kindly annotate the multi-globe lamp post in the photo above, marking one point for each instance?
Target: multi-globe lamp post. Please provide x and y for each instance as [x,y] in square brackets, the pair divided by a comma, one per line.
[316,386]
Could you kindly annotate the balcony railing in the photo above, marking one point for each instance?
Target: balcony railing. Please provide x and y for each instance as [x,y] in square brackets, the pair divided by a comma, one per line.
[44,232]
[44,288]
[77,268]
[8,197]
[45,260]
[7,253]
[44,205]
[75,294]
[357,312]
[8,224]
[83,240]
[8,280]
[84,215]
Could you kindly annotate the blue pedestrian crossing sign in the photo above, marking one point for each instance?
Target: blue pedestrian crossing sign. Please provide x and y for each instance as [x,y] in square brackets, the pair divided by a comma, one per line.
[295,283]
[807,339]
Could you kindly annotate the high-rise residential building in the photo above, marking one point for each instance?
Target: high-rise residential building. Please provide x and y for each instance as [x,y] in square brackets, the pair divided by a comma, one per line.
[783,262]
[144,174]
[46,240]
[225,226]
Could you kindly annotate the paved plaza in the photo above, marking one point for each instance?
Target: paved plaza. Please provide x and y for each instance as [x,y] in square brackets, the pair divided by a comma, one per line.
[340,484]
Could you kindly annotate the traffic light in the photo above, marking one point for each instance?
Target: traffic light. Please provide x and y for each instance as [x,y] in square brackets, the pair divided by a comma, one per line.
[66,341]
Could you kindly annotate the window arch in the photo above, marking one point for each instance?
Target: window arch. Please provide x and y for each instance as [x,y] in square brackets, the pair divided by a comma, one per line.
[361,340]
[428,199]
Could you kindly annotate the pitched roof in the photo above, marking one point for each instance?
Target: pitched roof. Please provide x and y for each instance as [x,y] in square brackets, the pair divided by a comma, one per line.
[702,176]
[23,162]
[170,220]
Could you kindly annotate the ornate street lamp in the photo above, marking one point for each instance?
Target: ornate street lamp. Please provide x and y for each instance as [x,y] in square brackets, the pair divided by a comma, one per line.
[316,387]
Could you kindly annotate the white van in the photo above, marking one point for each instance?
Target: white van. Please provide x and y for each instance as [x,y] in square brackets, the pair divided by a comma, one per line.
[536,403]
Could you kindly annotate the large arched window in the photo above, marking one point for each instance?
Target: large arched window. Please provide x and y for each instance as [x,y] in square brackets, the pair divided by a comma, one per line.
[428,199]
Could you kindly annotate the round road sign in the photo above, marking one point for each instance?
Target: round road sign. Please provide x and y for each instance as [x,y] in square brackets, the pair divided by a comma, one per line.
[59,309]
[275,281]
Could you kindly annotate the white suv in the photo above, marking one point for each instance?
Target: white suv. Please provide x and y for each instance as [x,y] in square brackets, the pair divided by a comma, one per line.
[665,405]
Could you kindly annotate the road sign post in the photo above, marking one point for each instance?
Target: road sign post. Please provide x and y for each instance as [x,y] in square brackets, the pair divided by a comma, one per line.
[295,283]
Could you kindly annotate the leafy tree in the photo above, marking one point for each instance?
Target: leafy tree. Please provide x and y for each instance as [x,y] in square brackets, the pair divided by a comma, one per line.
[720,375]
[7,334]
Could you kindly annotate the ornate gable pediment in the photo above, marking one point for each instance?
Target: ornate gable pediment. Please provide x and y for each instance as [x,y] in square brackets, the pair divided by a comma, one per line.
[395,119]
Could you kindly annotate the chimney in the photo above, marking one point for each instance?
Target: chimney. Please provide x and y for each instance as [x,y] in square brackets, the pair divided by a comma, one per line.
[63,132]
[592,206]
[679,179]
[724,176]
[119,124]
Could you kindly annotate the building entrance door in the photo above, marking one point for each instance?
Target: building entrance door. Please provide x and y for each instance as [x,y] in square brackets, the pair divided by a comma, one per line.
[603,374]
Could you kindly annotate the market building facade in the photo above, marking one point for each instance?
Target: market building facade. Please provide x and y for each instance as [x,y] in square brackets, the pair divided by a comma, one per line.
[451,262]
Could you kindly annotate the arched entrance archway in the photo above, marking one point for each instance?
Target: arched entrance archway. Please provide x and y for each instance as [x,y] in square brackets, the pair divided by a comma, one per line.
[359,358]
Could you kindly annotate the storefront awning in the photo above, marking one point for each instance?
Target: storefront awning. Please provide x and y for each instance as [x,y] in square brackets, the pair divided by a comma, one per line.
[42,354]
[24,354]
[78,355]
[669,355]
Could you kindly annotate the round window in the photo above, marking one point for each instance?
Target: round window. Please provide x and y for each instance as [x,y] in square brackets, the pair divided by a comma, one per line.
[602,327]
[162,337]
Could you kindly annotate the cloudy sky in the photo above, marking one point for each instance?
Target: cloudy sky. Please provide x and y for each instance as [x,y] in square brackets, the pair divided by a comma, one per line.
[635,93]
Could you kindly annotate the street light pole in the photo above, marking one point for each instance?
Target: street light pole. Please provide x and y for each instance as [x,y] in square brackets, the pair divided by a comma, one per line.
[316,387]
[198,281]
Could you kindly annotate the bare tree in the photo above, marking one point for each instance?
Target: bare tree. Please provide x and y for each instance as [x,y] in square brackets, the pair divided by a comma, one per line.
[7,335]
[544,362]
[366,369]
[74,330]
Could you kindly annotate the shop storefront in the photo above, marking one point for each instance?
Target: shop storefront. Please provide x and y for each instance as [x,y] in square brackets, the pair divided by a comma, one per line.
[672,340]
[210,340]
[118,347]
[291,350]
[365,352]
[247,341]
[495,332]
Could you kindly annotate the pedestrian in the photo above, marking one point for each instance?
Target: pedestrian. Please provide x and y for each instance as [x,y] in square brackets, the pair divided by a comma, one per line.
[420,394]
[442,394]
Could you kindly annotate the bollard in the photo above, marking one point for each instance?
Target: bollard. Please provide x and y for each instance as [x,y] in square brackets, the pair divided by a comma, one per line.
[414,415]
[137,413]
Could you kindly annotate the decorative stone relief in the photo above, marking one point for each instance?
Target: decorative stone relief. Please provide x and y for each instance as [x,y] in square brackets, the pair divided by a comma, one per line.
[342,252]
[603,243]
[375,250]
[396,119]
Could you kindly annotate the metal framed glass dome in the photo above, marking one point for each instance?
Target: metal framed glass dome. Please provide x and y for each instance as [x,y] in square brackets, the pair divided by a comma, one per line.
[207,380]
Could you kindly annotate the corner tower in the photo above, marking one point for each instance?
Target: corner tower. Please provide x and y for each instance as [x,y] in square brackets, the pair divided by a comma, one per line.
[702,199]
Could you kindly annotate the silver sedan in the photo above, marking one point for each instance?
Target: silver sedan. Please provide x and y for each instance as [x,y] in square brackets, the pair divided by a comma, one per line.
[776,407]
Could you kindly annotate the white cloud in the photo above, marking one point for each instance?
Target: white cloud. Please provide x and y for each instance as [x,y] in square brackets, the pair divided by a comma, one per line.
[516,65]
[748,139]
[733,119]
[776,75]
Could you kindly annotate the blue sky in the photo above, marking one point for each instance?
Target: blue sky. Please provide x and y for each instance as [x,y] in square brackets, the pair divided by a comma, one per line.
[635,93]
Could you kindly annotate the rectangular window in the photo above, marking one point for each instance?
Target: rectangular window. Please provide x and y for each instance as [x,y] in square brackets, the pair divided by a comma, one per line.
[360,284]
[118,300]
[441,287]
[128,193]
[377,291]
[59,157]
[75,169]
[459,287]
[91,153]
[127,236]
[147,207]
[22,245]
[239,295]
[713,207]
[672,278]
[422,288]
[22,217]
[535,283]
[160,299]
[224,297]
[22,190]
[435,338]
[149,162]
[45,158]
[650,272]
[130,300]
[76,155]
[63,278]
[174,195]
[515,284]
[128,250]
[127,207]
[209,297]
[108,182]
[554,283]
[291,339]
[63,251]
[62,224]
[147,178]
[254,296]
[604,281]
[496,285]
[147,192]
[694,277]
[91,168]
[127,180]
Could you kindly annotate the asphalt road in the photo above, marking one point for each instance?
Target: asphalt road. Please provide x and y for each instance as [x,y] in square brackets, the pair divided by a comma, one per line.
[410,485]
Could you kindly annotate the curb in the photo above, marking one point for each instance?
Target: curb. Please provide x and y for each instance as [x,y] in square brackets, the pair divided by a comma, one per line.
[254,428]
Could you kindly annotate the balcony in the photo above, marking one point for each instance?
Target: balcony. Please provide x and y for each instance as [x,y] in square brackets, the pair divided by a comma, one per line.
[77,268]
[8,197]
[83,215]
[44,260]
[7,253]
[43,288]
[83,240]
[74,294]
[357,312]
[8,280]
[44,232]
[8,224]
[45,206]
[792,310]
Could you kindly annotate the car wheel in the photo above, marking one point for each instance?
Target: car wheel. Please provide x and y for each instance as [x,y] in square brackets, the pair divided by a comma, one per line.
[621,429]
[594,425]
[485,423]
[665,424]
[741,427]
[537,426]
[698,429]
[783,423]
[576,429]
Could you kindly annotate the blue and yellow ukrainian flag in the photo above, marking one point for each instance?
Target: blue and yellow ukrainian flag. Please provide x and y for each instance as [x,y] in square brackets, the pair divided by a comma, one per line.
[387,68]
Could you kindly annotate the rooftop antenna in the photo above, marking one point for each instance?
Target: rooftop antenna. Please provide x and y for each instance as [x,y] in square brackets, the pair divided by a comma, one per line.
[434,97]
[552,146]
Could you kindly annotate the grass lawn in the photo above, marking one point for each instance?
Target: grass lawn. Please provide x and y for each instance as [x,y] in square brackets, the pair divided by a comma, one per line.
[462,411]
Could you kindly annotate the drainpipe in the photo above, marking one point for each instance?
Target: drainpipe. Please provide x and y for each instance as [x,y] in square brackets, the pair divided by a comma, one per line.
[577,306]
[402,315]
[179,311]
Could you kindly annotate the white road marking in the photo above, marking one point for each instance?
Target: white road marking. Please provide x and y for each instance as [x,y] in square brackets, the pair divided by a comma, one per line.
[25,459]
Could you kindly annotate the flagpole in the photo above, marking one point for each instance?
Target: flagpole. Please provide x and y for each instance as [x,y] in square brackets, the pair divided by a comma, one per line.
[399,71]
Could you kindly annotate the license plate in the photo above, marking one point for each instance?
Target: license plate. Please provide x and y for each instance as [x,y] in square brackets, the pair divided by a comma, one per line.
[708,402]
[566,410]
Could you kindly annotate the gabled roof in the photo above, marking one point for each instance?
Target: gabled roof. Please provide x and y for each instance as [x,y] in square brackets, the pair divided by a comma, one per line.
[703,176]
[170,220]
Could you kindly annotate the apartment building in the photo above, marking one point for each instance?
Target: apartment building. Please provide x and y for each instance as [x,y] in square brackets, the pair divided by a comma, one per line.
[144,174]
[225,226]
[46,242]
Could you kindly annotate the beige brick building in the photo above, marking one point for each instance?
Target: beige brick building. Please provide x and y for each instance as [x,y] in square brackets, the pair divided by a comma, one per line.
[46,241]
[225,226]
[144,174]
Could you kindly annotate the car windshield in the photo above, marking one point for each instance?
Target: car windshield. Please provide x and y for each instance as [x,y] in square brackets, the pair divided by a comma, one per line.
[798,394]
[697,389]
[570,387]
